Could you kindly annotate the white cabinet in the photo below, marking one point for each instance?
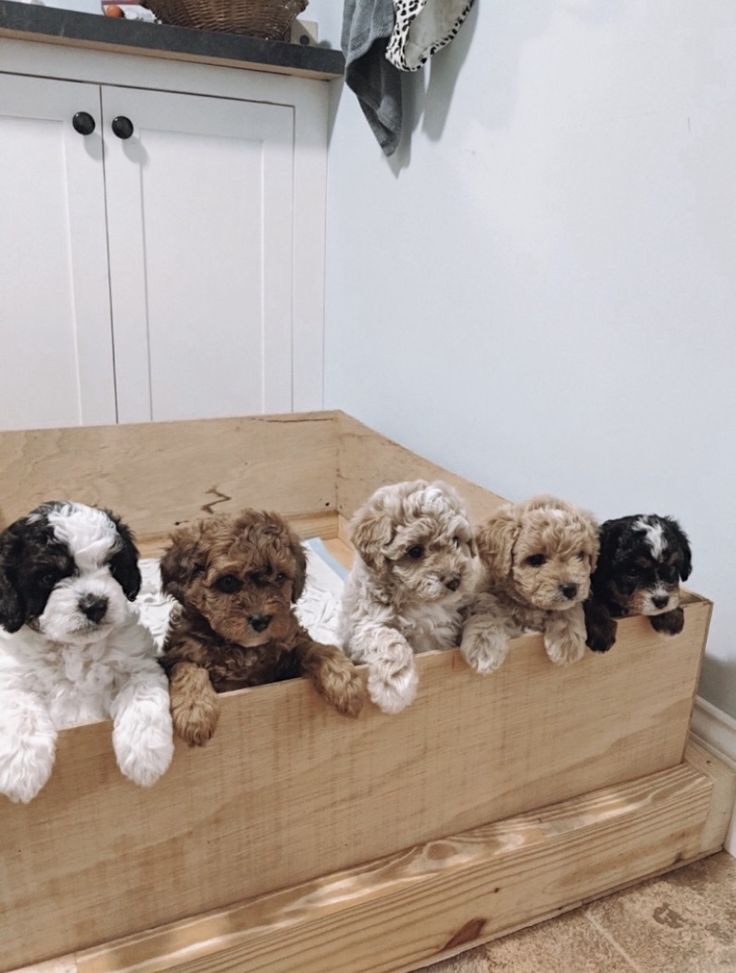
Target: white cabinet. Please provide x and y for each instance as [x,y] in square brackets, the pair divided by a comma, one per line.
[199,215]
[155,276]
[54,294]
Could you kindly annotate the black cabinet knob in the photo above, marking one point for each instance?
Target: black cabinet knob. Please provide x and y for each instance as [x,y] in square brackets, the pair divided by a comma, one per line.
[122,127]
[83,123]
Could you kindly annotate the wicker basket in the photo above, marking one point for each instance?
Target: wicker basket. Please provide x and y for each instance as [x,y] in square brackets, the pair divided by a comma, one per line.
[268,19]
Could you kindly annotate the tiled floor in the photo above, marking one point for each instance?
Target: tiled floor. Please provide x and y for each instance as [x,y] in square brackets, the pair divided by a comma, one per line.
[684,922]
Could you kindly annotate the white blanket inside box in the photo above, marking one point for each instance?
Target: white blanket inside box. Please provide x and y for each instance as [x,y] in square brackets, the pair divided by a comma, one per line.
[299,839]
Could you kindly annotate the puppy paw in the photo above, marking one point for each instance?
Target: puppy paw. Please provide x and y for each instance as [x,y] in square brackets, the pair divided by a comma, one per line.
[484,649]
[25,768]
[601,638]
[393,690]
[342,687]
[195,708]
[143,753]
[195,720]
[564,651]
[670,623]
[600,628]
[565,635]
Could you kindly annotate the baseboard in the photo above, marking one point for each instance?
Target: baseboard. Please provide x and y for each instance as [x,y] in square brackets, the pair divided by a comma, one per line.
[716,730]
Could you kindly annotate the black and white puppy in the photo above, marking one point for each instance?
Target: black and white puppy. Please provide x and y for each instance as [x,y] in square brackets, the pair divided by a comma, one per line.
[72,649]
[641,562]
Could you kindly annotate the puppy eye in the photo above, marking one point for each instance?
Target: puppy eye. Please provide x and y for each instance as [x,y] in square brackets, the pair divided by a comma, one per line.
[456,541]
[49,578]
[581,555]
[228,584]
[415,552]
[536,560]
[280,577]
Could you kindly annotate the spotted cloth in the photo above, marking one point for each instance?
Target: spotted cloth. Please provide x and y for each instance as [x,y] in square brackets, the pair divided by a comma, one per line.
[423,27]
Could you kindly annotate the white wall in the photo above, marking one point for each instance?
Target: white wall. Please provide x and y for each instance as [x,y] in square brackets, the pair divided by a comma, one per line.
[540,290]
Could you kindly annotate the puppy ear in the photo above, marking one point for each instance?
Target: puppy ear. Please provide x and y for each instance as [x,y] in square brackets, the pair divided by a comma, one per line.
[685,566]
[594,537]
[496,539]
[300,562]
[124,563]
[12,609]
[182,560]
[370,532]
[610,534]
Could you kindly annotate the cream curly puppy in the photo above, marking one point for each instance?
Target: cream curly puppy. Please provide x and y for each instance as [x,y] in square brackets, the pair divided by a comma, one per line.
[416,569]
[537,559]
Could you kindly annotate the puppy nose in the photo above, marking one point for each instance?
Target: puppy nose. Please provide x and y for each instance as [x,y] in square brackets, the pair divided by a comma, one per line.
[452,582]
[660,601]
[259,622]
[94,607]
[569,590]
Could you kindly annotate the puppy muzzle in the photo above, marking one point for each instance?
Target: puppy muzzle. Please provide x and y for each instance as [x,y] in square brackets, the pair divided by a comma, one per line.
[83,612]
[657,601]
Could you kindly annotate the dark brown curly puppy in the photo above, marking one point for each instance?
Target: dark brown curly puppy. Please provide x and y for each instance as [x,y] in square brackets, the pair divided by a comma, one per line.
[236,580]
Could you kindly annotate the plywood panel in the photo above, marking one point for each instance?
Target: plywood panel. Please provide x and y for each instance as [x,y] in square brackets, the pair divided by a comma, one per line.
[723,800]
[367,460]
[410,909]
[288,790]
[340,549]
[158,474]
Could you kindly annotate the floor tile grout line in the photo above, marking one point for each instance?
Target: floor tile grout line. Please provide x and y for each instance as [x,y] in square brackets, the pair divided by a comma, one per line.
[616,945]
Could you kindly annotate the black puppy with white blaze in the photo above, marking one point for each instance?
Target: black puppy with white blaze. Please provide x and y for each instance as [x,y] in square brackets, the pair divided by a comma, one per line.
[642,560]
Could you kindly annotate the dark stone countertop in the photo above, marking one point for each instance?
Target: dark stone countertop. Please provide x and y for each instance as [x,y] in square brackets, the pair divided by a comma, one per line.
[32,22]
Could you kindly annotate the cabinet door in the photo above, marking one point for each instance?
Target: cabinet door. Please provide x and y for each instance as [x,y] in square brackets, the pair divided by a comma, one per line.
[54,293]
[199,203]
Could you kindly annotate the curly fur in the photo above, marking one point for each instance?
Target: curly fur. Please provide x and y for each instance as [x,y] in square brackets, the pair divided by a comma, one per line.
[537,557]
[72,650]
[407,589]
[642,560]
[236,580]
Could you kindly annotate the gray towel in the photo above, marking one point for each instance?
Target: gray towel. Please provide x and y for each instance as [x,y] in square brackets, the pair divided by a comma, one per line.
[366,28]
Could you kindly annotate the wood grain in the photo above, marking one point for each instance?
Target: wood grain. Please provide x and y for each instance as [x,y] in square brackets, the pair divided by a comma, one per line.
[160,474]
[368,460]
[63,964]
[342,552]
[428,902]
[723,801]
[288,790]
[218,941]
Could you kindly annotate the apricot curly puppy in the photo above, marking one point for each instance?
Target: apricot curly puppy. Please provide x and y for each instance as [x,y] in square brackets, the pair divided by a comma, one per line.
[538,557]
[236,580]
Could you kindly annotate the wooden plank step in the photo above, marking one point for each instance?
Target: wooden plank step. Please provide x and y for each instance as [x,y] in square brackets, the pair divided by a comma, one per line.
[411,909]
